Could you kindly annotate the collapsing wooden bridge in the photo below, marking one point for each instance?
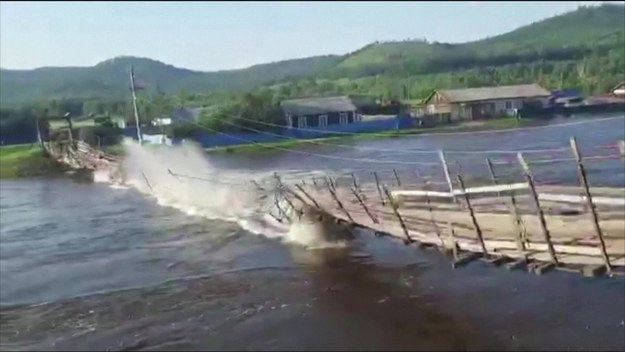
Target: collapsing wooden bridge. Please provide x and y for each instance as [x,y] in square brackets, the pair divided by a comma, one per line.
[519,225]
[524,224]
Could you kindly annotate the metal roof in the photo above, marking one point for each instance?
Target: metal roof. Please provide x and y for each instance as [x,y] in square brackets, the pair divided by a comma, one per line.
[316,106]
[494,93]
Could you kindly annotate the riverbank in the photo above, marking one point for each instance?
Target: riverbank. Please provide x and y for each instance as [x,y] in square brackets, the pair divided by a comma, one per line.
[503,123]
[25,160]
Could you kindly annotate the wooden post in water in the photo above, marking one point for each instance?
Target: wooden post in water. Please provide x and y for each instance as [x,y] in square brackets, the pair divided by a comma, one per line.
[377,184]
[146,181]
[590,205]
[257,185]
[441,155]
[275,217]
[408,240]
[308,196]
[364,206]
[491,170]
[539,210]
[478,229]
[356,186]
[282,212]
[397,178]
[331,182]
[437,230]
[338,201]
[281,189]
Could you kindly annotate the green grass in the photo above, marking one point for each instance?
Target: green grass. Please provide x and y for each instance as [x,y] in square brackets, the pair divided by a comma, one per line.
[20,160]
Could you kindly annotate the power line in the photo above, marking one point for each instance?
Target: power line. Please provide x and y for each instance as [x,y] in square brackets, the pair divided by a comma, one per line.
[400,151]
[420,151]
[364,160]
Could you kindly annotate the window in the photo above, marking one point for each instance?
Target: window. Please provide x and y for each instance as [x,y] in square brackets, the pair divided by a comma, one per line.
[508,105]
[343,118]
[323,120]
[302,122]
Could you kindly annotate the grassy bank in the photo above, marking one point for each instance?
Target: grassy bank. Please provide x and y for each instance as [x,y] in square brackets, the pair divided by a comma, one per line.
[494,124]
[24,160]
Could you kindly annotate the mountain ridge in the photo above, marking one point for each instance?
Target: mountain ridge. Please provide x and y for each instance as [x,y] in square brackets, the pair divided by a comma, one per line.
[569,37]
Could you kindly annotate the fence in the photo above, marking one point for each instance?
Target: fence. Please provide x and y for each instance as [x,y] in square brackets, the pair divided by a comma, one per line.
[525,222]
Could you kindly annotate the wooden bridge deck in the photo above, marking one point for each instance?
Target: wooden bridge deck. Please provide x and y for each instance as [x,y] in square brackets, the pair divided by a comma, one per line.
[443,223]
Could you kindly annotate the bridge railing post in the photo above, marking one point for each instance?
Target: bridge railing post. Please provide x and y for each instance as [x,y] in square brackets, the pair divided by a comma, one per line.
[539,210]
[478,229]
[589,204]
[393,205]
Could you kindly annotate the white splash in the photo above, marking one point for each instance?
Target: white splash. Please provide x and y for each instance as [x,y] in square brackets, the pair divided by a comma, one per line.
[181,177]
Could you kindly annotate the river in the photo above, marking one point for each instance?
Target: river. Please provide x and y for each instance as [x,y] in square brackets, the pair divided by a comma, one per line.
[87,266]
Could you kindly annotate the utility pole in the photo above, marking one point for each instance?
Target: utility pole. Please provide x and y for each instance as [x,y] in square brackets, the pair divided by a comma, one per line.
[134,103]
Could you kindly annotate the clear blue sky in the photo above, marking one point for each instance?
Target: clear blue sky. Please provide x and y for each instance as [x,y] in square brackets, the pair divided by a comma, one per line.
[225,35]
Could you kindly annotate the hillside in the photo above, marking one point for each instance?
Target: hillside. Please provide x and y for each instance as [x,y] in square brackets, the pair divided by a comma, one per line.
[591,37]
[109,79]
[571,36]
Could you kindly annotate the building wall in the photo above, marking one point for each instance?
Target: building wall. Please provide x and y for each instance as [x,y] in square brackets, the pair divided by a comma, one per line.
[501,107]
[313,120]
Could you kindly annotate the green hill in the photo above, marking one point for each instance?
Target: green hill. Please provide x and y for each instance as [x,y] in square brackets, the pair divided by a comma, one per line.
[582,47]
[571,36]
[109,79]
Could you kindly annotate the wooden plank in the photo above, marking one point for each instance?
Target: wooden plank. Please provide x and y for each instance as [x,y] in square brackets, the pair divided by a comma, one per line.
[419,193]
[579,199]
[593,212]
[494,188]
[441,156]
[459,192]
[377,184]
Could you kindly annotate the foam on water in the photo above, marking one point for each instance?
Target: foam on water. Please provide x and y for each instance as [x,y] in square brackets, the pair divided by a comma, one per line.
[181,177]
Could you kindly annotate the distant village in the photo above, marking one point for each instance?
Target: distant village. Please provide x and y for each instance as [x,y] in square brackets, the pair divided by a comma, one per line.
[323,116]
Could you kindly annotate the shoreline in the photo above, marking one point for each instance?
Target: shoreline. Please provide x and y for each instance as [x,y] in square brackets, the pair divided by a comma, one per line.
[497,124]
[27,160]
[469,126]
